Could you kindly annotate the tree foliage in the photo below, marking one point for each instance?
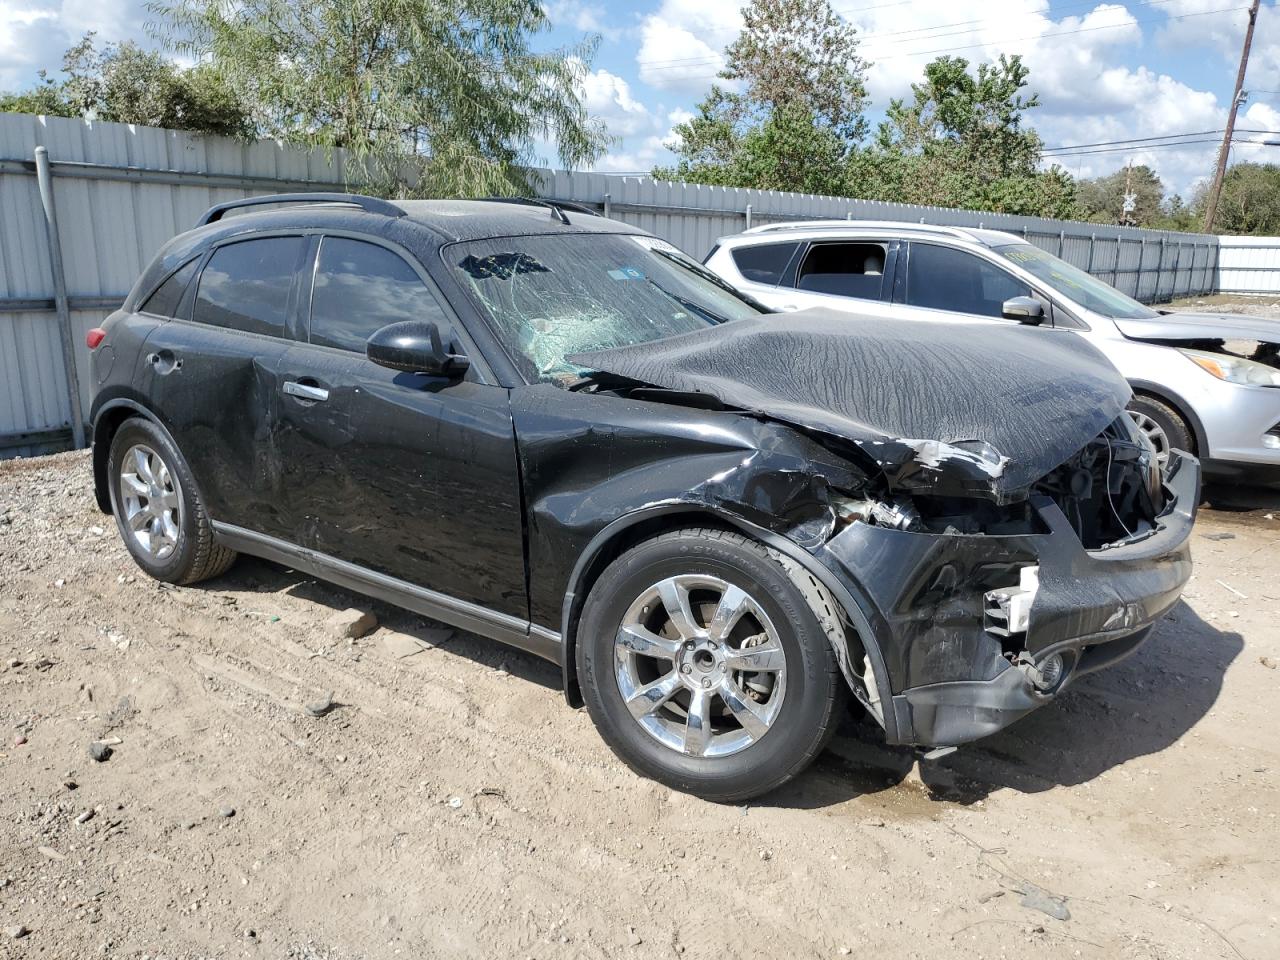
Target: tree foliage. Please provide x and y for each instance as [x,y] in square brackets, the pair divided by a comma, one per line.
[791,117]
[1250,202]
[1101,200]
[961,142]
[123,83]
[791,110]
[432,98]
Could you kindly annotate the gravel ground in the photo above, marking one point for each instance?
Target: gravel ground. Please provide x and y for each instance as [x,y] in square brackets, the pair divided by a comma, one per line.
[449,804]
[1263,306]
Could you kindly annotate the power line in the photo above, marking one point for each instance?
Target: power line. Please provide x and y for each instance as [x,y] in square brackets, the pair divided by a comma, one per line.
[691,61]
[879,35]
[1113,143]
[1166,136]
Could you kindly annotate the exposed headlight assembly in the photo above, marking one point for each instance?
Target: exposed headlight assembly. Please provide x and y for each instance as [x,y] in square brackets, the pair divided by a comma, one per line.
[1248,373]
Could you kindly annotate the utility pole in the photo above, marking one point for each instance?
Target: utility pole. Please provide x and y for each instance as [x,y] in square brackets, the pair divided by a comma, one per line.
[1215,192]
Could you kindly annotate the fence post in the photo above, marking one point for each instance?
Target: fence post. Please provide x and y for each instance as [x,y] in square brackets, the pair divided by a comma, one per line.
[44,178]
[1092,239]
[747,214]
[608,201]
[1160,268]
[1062,242]
[1142,265]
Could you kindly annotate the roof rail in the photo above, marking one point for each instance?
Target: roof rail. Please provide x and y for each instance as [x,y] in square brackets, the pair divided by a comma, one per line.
[368,204]
[558,207]
[860,224]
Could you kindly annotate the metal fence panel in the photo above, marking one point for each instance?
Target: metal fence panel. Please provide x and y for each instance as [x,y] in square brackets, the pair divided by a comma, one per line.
[122,191]
[1249,265]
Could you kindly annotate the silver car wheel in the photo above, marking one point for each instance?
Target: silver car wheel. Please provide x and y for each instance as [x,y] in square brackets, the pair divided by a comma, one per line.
[151,500]
[1153,432]
[700,666]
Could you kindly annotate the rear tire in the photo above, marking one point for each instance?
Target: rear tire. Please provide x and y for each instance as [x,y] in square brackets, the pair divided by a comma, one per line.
[157,508]
[671,694]
[1162,425]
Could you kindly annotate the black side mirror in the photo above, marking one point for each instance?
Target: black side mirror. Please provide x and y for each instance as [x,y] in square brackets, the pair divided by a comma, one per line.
[1026,310]
[415,346]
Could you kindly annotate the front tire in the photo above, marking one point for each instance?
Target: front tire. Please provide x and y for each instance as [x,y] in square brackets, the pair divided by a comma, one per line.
[157,508]
[1162,425]
[704,666]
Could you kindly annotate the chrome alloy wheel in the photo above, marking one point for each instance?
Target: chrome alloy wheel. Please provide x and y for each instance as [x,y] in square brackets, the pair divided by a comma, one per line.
[1153,432]
[700,666]
[150,497]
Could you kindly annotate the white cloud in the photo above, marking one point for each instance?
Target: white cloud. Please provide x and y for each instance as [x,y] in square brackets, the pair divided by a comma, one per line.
[35,33]
[638,157]
[587,17]
[682,44]
[1083,68]
[609,97]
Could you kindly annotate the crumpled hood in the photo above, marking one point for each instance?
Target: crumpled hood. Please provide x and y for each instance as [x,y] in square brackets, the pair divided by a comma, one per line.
[955,407]
[1202,326]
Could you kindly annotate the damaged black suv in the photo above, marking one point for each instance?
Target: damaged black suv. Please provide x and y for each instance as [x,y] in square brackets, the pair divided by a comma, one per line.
[560,432]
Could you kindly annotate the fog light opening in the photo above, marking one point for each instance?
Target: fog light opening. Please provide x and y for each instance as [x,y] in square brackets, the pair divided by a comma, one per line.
[1047,675]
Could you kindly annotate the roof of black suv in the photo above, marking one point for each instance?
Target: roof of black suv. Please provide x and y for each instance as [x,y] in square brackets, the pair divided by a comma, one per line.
[443,221]
[449,220]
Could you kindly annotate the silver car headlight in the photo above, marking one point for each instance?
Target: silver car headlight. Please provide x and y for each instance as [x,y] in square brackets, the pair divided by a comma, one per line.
[1248,373]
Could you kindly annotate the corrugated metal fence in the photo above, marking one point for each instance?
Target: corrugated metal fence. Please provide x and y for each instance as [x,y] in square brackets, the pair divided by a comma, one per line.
[1249,265]
[116,193]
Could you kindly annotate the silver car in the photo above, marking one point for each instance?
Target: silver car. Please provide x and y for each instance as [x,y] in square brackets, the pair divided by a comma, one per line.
[1205,383]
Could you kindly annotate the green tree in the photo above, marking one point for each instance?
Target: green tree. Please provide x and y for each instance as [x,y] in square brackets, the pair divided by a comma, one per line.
[123,83]
[46,97]
[1250,202]
[431,98]
[961,142]
[1102,198]
[791,113]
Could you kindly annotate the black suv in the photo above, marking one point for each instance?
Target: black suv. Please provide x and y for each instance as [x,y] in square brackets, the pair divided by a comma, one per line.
[558,431]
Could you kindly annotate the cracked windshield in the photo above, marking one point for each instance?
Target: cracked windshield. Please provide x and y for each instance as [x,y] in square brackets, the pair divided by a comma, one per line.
[549,297]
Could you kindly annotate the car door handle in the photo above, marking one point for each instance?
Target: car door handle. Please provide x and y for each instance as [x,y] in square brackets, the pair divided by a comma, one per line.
[305,391]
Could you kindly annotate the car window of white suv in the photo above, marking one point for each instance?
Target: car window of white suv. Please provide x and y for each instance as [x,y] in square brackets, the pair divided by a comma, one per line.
[844,270]
[942,278]
[763,262]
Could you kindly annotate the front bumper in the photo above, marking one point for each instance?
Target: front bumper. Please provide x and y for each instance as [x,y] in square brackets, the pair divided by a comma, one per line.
[921,596]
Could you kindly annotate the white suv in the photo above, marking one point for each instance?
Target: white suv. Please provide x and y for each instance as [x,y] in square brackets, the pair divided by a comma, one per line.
[1205,383]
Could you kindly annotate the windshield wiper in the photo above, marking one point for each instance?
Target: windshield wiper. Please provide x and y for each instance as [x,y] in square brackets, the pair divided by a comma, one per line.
[687,304]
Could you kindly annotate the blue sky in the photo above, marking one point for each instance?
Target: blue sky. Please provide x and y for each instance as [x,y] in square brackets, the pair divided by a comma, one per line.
[1104,71]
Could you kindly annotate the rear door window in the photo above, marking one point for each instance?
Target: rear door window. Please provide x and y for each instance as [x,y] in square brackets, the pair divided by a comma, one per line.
[764,263]
[941,278]
[361,287]
[844,270]
[165,300]
[246,285]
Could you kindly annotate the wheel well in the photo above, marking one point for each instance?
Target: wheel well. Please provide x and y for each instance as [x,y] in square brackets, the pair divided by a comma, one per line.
[104,431]
[854,661]
[1179,407]
[605,554]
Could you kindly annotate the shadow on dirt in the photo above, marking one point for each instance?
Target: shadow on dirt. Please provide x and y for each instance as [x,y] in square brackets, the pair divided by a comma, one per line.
[1241,498]
[262,576]
[1140,706]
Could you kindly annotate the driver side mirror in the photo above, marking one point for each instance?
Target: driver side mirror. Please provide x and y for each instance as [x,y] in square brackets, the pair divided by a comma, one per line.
[1026,310]
[415,346]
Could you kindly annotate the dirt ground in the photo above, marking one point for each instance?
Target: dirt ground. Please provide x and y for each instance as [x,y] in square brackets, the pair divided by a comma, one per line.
[451,805]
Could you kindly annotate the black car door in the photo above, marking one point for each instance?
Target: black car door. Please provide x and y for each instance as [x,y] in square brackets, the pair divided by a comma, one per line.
[412,476]
[210,374]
